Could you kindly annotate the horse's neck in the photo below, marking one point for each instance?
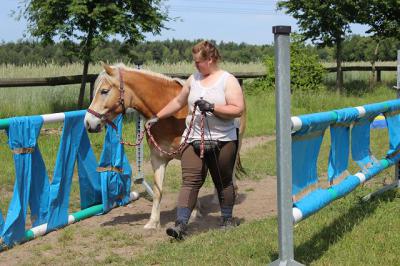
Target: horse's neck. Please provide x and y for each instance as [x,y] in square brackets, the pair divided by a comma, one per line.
[150,94]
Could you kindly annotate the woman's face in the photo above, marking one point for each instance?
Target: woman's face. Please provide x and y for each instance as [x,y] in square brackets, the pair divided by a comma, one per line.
[202,65]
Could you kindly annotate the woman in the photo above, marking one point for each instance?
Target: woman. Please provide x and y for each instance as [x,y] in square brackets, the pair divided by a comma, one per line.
[217,94]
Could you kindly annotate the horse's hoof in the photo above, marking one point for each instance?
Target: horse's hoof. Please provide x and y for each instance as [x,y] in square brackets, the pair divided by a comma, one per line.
[196,214]
[152,225]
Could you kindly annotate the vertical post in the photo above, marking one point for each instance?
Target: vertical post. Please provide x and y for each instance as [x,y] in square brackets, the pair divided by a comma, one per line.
[91,90]
[283,145]
[240,82]
[397,168]
[139,149]
[378,75]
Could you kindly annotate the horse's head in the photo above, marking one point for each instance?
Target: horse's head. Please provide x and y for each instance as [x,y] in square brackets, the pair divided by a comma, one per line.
[108,99]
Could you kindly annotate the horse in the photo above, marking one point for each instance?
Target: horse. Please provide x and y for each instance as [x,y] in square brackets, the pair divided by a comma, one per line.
[118,88]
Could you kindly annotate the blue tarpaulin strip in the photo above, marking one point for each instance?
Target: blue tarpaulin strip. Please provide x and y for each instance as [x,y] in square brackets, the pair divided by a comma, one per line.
[23,133]
[115,185]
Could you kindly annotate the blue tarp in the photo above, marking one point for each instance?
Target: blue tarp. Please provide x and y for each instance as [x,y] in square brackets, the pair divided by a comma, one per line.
[49,202]
[340,140]
[115,185]
[64,169]
[23,133]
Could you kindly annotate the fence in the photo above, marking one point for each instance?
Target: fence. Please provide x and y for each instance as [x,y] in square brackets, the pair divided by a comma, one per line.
[76,79]
[298,144]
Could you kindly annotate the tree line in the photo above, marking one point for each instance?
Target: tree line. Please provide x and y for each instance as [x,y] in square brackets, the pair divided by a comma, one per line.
[355,48]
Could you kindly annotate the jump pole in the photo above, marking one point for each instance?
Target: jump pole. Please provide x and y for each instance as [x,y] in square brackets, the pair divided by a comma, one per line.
[72,218]
[283,145]
[139,179]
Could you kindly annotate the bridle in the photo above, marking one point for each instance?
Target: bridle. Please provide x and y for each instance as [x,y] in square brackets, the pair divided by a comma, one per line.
[120,103]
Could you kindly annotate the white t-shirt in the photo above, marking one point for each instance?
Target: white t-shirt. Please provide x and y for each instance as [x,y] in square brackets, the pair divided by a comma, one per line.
[215,128]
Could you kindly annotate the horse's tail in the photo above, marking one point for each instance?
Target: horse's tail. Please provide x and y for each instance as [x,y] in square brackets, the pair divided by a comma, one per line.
[239,169]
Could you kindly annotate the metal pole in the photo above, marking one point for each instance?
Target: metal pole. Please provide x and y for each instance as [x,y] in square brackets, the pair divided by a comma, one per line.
[283,145]
[139,157]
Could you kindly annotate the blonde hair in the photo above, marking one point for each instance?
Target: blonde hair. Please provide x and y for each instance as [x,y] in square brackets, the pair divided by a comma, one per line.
[206,50]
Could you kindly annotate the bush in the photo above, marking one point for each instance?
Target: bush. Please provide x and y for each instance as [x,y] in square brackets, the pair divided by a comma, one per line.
[305,69]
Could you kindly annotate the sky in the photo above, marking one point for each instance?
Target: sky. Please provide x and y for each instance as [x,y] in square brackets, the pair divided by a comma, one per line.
[248,21]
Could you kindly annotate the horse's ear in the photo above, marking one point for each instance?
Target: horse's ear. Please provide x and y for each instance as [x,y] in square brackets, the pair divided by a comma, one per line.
[109,70]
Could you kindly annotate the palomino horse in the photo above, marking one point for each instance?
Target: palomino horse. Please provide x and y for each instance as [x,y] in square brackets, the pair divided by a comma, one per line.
[118,88]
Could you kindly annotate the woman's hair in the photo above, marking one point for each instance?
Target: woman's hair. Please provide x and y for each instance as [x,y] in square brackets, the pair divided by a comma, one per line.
[206,50]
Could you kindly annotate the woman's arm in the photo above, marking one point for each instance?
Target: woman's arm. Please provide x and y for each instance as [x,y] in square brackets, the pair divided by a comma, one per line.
[177,103]
[234,100]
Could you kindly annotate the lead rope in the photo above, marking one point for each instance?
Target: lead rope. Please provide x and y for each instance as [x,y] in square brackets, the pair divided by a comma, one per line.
[181,146]
[203,114]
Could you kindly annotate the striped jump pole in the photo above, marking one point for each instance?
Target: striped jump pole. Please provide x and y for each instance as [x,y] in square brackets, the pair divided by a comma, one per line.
[73,218]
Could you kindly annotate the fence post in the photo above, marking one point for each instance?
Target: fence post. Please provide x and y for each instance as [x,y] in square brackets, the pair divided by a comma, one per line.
[283,145]
[378,75]
[91,90]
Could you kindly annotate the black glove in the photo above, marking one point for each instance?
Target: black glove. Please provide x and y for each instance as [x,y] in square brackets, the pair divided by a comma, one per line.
[151,121]
[204,106]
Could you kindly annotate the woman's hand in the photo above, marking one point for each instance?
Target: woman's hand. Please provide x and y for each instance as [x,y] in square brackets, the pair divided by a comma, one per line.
[204,106]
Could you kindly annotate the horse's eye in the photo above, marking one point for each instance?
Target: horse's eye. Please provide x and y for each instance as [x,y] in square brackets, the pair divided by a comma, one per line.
[104,91]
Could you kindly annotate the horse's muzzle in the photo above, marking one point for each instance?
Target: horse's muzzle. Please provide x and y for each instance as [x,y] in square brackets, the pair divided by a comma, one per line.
[92,123]
[97,129]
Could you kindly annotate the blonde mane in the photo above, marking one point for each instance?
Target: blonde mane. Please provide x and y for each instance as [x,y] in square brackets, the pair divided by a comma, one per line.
[146,72]
[103,76]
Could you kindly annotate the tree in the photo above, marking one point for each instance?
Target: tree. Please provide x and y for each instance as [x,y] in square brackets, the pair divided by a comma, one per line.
[382,16]
[325,23]
[91,22]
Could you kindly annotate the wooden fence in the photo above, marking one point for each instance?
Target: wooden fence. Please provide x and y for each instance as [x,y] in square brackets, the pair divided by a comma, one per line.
[76,79]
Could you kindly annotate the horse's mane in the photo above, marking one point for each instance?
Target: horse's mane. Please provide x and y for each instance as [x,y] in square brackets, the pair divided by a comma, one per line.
[104,76]
[146,72]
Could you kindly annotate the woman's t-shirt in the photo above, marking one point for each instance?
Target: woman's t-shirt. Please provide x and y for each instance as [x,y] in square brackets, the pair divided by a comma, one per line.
[215,128]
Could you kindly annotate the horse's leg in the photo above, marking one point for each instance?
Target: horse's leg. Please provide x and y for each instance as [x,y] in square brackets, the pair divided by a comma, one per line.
[159,164]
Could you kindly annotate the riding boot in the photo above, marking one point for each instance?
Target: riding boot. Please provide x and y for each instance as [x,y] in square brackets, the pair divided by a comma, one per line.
[178,231]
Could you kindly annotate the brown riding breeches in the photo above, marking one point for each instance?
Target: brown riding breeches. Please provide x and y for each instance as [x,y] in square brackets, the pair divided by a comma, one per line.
[220,161]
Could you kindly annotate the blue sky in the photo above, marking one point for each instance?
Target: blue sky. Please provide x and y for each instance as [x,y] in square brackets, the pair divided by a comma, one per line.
[248,21]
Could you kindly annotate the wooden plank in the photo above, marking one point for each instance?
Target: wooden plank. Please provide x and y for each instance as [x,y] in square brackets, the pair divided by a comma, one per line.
[361,68]
[76,79]
[50,81]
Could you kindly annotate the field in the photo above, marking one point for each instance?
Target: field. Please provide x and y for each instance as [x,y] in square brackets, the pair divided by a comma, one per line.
[338,235]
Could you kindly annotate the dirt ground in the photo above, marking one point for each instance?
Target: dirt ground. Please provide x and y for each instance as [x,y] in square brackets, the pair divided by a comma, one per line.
[256,200]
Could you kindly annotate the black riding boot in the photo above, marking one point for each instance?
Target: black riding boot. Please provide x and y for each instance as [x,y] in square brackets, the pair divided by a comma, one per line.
[178,231]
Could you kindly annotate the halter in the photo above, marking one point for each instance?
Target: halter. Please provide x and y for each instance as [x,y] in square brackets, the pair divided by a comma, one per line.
[120,102]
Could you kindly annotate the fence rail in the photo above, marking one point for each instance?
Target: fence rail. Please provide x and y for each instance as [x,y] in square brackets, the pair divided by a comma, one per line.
[76,79]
